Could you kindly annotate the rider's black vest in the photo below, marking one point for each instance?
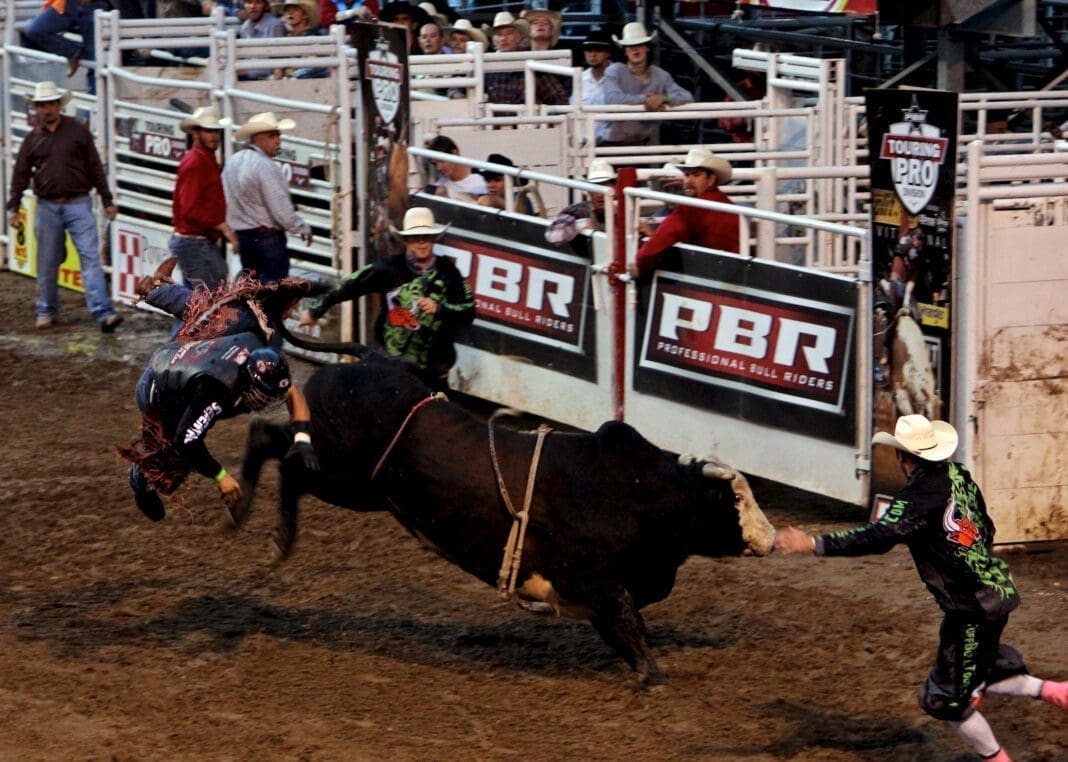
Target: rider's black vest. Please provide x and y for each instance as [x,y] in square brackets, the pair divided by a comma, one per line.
[174,366]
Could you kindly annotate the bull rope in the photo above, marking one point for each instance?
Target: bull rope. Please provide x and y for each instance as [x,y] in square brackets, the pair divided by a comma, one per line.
[513,547]
[403,426]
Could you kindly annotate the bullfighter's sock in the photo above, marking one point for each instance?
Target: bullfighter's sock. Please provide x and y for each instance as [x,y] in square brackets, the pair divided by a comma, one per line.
[975,730]
[1017,685]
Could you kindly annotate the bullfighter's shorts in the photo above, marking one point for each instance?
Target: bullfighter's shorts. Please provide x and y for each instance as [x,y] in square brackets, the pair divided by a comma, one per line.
[970,656]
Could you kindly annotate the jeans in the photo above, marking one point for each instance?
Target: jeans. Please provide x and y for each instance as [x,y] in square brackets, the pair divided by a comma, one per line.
[201,261]
[265,252]
[45,31]
[52,223]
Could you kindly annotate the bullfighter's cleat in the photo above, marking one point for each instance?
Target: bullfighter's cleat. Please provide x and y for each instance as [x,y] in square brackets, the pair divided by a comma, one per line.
[1055,693]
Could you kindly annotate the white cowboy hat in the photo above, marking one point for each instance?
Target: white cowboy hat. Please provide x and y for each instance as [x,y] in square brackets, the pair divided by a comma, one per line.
[474,34]
[601,171]
[265,122]
[435,15]
[505,19]
[418,221]
[206,118]
[702,158]
[46,92]
[311,8]
[529,14]
[634,34]
[930,440]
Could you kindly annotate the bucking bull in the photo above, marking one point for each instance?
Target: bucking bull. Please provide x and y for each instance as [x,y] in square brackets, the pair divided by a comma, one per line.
[611,517]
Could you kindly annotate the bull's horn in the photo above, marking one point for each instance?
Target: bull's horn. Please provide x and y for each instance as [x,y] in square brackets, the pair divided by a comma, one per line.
[717,471]
[686,459]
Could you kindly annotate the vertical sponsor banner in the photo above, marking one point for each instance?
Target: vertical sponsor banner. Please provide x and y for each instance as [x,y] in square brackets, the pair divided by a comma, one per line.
[138,248]
[24,250]
[912,138]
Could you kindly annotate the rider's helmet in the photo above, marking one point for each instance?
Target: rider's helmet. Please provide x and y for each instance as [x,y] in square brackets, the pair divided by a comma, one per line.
[267,381]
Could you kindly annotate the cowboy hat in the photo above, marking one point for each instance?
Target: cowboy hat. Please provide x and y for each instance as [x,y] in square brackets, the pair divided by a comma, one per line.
[598,39]
[474,34]
[601,171]
[930,440]
[46,92]
[311,8]
[265,122]
[434,14]
[506,19]
[204,118]
[702,158]
[529,14]
[418,220]
[634,34]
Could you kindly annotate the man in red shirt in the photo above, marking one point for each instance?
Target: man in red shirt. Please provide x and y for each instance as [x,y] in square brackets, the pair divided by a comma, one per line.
[704,173]
[199,206]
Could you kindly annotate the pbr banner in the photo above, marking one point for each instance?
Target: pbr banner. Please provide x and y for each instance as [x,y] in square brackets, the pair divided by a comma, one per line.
[532,301]
[912,137]
[752,340]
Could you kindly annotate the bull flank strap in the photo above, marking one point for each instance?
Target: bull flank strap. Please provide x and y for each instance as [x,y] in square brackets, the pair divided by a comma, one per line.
[411,413]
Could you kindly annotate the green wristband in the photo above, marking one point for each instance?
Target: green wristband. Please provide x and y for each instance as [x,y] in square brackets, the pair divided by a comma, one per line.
[220,476]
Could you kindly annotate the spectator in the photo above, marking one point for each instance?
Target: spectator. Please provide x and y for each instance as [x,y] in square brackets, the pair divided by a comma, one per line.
[434,16]
[426,299]
[61,160]
[259,23]
[584,215]
[185,9]
[432,40]
[544,28]
[509,34]
[259,208]
[495,184]
[456,181]
[46,31]
[353,10]
[597,50]
[638,82]
[704,173]
[407,15]
[301,19]
[463,32]
[199,206]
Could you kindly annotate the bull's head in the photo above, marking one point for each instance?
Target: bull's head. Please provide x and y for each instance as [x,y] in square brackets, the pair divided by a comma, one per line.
[757,533]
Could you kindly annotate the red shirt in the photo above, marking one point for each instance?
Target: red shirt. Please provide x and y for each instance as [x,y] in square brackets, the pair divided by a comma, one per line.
[688,224]
[199,204]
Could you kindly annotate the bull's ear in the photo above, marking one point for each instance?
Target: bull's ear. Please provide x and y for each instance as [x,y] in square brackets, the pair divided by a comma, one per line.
[717,471]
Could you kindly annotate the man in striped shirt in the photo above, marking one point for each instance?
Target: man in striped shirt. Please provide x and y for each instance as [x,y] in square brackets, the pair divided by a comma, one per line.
[258,205]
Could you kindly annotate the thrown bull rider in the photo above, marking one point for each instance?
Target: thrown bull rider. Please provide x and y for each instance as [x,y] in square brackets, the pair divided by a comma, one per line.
[225,361]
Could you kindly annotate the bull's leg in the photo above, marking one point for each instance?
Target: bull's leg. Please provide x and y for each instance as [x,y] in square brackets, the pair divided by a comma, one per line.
[620,623]
[266,440]
[291,488]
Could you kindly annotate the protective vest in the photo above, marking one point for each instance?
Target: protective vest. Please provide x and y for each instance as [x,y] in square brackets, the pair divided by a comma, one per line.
[174,366]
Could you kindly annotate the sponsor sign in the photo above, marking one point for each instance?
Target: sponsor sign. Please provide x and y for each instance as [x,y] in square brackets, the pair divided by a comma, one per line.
[159,138]
[24,249]
[138,248]
[752,340]
[864,7]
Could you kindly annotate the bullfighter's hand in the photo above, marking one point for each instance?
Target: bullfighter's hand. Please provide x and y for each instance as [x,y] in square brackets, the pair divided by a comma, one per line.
[111,211]
[427,305]
[230,490]
[793,540]
[13,219]
[307,320]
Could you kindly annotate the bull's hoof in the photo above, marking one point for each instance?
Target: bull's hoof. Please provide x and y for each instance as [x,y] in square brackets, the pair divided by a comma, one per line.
[651,679]
[282,544]
[237,514]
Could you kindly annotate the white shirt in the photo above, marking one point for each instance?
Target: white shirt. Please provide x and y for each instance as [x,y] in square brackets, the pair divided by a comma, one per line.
[257,194]
[463,190]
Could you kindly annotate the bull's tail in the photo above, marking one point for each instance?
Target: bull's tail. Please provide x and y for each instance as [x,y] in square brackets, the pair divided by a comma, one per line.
[354,348]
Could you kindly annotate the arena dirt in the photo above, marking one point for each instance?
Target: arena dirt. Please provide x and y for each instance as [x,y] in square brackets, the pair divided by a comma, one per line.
[121,639]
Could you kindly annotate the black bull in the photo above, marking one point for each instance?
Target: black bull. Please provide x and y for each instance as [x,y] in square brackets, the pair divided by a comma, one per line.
[612,517]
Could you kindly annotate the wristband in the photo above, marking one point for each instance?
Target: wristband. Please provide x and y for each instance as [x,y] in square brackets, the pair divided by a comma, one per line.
[220,476]
[302,427]
[301,436]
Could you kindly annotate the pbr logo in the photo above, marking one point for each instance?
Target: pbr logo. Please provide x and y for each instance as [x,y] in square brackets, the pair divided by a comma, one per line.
[386,74]
[916,152]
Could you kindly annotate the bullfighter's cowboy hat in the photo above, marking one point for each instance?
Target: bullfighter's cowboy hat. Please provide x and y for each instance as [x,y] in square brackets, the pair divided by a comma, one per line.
[505,19]
[702,158]
[204,118]
[311,8]
[474,34]
[265,122]
[601,171]
[634,34]
[553,17]
[930,440]
[47,92]
[418,221]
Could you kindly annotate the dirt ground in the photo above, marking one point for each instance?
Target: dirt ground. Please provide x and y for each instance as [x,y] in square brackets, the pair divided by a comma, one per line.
[121,639]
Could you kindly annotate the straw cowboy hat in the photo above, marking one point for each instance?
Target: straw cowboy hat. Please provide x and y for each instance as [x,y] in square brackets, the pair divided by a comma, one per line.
[204,118]
[506,19]
[311,7]
[474,34]
[702,158]
[418,221]
[46,92]
[634,34]
[265,122]
[529,14]
[600,171]
[930,440]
